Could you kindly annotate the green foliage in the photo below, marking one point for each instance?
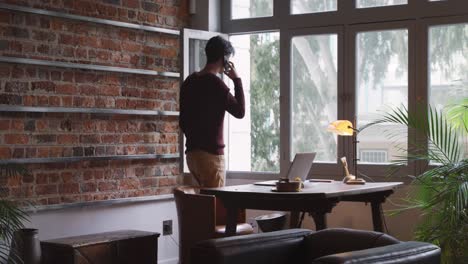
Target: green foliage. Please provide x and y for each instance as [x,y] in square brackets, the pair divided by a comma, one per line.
[457,114]
[12,217]
[442,189]
[264,104]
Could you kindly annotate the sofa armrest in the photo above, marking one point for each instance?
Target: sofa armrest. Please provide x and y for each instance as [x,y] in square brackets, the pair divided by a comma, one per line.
[404,252]
[283,246]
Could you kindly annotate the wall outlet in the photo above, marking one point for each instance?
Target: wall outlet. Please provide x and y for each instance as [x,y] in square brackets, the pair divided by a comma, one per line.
[167,227]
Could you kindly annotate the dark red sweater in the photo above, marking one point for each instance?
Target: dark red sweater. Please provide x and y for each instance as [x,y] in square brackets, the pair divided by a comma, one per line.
[203,102]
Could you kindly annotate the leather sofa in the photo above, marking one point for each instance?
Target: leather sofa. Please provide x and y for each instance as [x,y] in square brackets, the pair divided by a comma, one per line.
[335,245]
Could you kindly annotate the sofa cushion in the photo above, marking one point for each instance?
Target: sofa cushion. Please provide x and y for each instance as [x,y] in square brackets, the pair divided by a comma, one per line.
[338,240]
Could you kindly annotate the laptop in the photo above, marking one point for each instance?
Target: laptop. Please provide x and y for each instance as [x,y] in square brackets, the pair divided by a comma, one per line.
[300,167]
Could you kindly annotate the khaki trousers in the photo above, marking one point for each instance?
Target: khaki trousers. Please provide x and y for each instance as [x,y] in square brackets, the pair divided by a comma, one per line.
[208,169]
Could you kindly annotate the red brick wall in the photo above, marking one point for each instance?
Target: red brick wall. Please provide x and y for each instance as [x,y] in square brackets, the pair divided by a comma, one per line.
[40,135]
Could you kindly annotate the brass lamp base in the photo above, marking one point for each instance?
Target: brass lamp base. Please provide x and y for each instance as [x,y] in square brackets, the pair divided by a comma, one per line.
[351,179]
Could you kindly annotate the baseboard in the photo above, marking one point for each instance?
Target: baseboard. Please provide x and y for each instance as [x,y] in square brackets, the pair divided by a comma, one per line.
[168,261]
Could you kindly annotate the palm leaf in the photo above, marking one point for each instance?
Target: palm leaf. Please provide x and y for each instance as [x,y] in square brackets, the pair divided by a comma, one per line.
[442,190]
[457,114]
[12,217]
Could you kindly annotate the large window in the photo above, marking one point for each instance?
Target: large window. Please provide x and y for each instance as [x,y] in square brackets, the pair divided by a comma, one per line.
[253,142]
[448,67]
[382,83]
[340,59]
[313,6]
[376,3]
[251,8]
[314,78]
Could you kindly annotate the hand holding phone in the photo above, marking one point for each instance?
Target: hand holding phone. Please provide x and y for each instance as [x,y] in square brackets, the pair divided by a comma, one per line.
[230,70]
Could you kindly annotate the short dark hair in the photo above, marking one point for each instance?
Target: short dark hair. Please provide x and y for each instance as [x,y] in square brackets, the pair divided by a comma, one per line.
[218,47]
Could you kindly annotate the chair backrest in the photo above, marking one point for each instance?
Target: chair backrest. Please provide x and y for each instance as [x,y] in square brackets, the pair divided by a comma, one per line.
[196,217]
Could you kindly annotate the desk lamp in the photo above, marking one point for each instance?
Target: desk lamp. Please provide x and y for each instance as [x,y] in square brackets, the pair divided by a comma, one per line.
[345,128]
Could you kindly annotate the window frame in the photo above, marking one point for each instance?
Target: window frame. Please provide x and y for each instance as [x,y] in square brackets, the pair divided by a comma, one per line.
[376,170]
[325,169]
[417,16]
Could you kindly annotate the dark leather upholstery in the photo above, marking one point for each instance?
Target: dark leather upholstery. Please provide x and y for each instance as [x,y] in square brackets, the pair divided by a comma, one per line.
[338,245]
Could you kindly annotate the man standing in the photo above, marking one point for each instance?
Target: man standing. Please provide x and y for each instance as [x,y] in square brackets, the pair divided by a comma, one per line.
[204,99]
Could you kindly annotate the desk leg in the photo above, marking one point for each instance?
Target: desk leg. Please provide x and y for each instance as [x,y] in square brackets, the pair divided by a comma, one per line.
[376,216]
[294,219]
[320,220]
[231,221]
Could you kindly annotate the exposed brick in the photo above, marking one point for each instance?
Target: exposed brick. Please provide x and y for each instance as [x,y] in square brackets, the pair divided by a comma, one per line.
[67,139]
[110,44]
[18,153]
[88,187]
[48,36]
[41,178]
[5,153]
[70,199]
[107,186]
[4,44]
[67,177]
[129,184]
[5,17]
[45,138]
[56,152]
[69,188]
[16,139]
[53,200]
[109,90]
[17,125]
[90,139]
[78,151]
[150,182]
[65,89]
[65,135]
[10,99]
[4,125]
[89,151]
[43,152]
[131,3]
[17,32]
[46,189]
[43,86]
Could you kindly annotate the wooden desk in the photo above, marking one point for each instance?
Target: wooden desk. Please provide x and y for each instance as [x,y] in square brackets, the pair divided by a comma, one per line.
[317,198]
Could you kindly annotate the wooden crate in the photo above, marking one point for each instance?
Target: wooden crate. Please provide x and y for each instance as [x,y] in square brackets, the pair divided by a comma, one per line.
[118,247]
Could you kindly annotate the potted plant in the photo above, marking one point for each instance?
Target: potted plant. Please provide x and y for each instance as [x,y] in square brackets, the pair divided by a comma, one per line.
[12,216]
[442,186]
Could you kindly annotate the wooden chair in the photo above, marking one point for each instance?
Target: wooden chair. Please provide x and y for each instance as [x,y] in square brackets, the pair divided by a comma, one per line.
[201,217]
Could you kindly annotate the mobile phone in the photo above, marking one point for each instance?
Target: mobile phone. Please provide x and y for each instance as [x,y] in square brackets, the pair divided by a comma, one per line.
[227,66]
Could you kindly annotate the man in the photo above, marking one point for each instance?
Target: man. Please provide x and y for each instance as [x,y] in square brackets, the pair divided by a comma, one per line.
[204,99]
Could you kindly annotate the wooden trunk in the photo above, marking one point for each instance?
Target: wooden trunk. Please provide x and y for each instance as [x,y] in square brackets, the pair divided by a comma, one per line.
[118,247]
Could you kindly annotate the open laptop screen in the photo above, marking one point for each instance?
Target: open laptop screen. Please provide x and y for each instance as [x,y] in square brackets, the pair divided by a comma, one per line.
[300,167]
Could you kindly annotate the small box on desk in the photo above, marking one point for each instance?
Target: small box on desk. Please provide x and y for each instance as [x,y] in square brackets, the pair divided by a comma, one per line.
[118,247]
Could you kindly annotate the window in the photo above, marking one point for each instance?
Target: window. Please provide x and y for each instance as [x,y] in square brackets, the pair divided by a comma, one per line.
[448,64]
[253,142]
[373,156]
[251,8]
[341,59]
[448,61]
[314,95]
[382,83]
[377,3]
[312,6]
[196,60]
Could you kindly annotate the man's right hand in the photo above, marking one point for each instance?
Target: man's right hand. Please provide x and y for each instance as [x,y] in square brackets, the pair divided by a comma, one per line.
[231,73]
